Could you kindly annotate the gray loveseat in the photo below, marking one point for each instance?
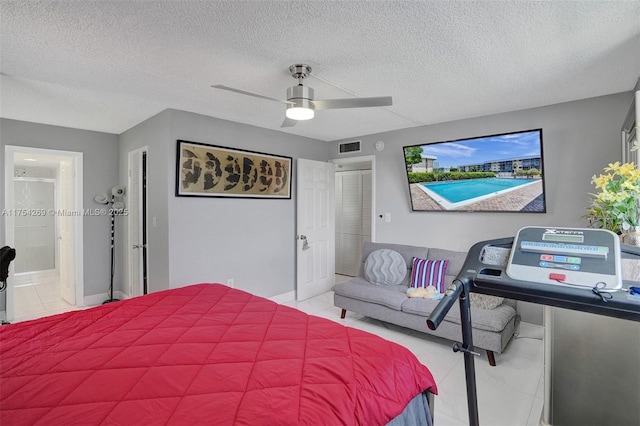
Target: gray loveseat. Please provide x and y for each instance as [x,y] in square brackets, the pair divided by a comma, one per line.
[492,328]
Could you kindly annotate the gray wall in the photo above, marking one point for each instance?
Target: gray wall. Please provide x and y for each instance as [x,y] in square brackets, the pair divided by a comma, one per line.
[100,171]
[249,240]
[151,133]
[215,239]
[579,138]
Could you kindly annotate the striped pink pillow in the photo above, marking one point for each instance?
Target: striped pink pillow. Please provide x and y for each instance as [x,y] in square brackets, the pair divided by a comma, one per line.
[428,272]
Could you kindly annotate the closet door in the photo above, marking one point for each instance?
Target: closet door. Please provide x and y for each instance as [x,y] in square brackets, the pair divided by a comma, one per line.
[353,219]
[366,209]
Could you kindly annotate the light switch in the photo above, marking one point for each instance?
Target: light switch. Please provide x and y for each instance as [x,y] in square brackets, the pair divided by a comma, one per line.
[387,217]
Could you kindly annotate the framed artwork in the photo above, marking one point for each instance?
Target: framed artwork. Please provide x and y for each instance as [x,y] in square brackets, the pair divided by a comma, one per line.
[215,171]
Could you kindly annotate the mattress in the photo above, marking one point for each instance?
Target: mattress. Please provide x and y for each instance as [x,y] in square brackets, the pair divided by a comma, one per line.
[201,354]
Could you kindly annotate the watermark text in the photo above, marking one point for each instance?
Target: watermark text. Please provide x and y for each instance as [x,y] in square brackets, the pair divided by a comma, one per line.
[64,212]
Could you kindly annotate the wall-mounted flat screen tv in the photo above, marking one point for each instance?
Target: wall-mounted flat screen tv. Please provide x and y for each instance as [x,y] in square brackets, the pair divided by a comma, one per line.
[496,173]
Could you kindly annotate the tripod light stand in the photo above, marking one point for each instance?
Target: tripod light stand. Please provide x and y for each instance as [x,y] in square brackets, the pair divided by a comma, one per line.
[117,208]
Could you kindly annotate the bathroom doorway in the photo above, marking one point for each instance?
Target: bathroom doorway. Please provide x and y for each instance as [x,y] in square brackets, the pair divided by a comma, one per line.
[44,224]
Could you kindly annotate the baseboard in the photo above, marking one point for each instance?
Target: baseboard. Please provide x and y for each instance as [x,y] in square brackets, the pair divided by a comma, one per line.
[284,297]
[95,299]
[99,299]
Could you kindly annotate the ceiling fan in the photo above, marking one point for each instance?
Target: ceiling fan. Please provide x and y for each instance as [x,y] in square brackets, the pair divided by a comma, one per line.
[300,102]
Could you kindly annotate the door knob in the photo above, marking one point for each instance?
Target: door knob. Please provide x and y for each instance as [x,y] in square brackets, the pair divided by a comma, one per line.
[305,242]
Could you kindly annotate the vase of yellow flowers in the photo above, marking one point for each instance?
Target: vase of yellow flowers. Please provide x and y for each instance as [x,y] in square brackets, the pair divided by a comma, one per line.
[615,206]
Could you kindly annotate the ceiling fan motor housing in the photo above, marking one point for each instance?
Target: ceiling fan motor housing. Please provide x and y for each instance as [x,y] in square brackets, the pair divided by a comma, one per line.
[300,71]
[301,95]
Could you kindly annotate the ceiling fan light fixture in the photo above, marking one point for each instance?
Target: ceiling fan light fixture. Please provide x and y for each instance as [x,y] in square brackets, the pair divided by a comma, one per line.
[302,108]
[295,112]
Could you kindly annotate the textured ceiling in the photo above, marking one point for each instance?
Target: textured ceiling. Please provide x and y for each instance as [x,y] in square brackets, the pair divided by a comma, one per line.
[108,65]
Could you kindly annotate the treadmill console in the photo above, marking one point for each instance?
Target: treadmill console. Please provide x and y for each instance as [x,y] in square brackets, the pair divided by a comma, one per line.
[566,256]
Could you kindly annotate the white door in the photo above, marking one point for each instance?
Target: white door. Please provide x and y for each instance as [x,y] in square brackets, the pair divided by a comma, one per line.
[315,245]
[137,223]
[353,219]
[65,229]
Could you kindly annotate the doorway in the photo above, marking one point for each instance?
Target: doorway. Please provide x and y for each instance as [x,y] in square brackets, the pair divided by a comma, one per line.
[137,247]
[355,204]
[44,224]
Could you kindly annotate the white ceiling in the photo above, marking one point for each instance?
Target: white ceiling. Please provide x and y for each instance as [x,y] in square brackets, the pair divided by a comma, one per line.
[108,65]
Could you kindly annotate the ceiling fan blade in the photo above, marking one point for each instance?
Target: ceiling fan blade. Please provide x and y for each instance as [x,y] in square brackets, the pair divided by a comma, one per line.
[288,122]
[242,92]
[352,102]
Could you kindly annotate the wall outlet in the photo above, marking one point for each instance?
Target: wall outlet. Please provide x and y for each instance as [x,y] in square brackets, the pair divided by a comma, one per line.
[230,282]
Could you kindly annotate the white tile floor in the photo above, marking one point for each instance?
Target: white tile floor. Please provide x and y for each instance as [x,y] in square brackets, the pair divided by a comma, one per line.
[509,394]
[38,295]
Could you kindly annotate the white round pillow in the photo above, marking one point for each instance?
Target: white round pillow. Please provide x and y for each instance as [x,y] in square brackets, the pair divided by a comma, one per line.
[385,267]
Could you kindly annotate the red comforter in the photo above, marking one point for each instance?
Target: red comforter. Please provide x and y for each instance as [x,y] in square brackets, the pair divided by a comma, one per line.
[203,354]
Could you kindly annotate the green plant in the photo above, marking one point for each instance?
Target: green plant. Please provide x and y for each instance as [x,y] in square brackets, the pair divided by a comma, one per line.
[533,172]
[615,207]
[419,177]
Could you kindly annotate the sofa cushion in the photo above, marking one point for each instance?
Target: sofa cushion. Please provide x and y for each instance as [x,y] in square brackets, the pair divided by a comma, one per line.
[407,253]
[385,267]
[391,296]
[456,259]
[483,319]
[427,273]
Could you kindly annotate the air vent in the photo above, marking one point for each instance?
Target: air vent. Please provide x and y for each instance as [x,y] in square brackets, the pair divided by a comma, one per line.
[348,147]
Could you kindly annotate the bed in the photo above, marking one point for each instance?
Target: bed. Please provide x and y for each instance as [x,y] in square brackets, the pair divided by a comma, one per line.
[205,354]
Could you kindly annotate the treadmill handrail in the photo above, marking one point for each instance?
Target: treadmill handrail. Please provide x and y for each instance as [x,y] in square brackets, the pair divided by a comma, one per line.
[451,294]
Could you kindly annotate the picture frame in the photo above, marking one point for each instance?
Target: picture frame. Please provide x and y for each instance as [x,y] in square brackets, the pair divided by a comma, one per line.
[204,170]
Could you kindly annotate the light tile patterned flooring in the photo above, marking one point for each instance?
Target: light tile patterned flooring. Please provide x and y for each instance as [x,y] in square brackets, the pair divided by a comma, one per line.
[37,295]
[509,394]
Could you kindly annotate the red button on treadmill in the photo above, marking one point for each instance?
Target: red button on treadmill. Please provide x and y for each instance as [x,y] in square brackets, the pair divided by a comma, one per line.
[557,277]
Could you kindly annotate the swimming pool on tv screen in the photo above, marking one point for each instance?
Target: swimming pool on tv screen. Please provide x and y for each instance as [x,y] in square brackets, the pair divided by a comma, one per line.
[462,190]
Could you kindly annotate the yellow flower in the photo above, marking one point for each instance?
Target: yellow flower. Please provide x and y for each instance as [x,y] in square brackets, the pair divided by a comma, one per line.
[615,205]
[601,181]
[612,167]
[626,169]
